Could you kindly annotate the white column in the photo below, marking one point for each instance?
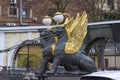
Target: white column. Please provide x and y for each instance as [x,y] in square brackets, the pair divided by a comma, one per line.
[29,35]
[2,46]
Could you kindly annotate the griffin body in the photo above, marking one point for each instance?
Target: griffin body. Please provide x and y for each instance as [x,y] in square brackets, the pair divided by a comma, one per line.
[66,52]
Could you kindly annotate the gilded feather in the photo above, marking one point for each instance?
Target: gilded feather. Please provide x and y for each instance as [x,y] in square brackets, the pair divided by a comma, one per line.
[77,32]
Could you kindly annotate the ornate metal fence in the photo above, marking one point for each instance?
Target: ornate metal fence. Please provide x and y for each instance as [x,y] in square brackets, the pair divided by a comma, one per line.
[12,74]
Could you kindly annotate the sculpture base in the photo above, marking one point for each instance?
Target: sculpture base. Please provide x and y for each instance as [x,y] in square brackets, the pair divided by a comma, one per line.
[62,74]
[61,77]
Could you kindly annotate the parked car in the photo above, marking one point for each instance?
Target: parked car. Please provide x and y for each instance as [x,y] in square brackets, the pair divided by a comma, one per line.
[102,75]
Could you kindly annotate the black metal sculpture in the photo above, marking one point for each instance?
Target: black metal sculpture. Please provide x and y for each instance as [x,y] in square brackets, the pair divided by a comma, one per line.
[71,62]
[79,59]
[46,42]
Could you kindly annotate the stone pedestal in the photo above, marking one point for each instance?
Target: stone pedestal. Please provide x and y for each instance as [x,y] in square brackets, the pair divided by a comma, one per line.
[61,77]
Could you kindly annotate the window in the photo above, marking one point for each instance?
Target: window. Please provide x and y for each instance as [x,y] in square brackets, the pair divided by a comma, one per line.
[26,13]
[13,12]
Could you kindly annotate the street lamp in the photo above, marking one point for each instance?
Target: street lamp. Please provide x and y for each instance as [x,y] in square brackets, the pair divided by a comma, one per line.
[47,20]
[58,17]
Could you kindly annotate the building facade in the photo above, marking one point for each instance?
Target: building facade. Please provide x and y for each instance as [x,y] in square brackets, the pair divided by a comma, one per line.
[12,36]
[31,12]
[22,12]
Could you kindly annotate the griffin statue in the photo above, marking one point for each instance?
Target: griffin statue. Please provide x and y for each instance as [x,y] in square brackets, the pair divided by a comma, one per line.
[62,47]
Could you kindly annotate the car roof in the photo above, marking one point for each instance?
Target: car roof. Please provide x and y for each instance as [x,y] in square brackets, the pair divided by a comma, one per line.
[106,74]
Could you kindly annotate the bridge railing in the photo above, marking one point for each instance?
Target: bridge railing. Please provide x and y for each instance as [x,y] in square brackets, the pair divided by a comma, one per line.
[10,73]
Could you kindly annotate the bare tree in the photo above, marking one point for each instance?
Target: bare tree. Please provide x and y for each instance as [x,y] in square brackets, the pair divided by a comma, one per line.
[60,4]
[100,10]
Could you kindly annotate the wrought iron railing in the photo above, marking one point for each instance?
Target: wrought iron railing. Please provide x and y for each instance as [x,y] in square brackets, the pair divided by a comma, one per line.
[12,74]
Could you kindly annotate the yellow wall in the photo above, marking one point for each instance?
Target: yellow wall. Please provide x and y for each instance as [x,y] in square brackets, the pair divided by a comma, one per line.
[111,61]
[14,38]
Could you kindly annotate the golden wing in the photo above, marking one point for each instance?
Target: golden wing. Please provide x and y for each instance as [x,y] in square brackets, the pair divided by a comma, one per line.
[71,25]
[77,35]
[67,23]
